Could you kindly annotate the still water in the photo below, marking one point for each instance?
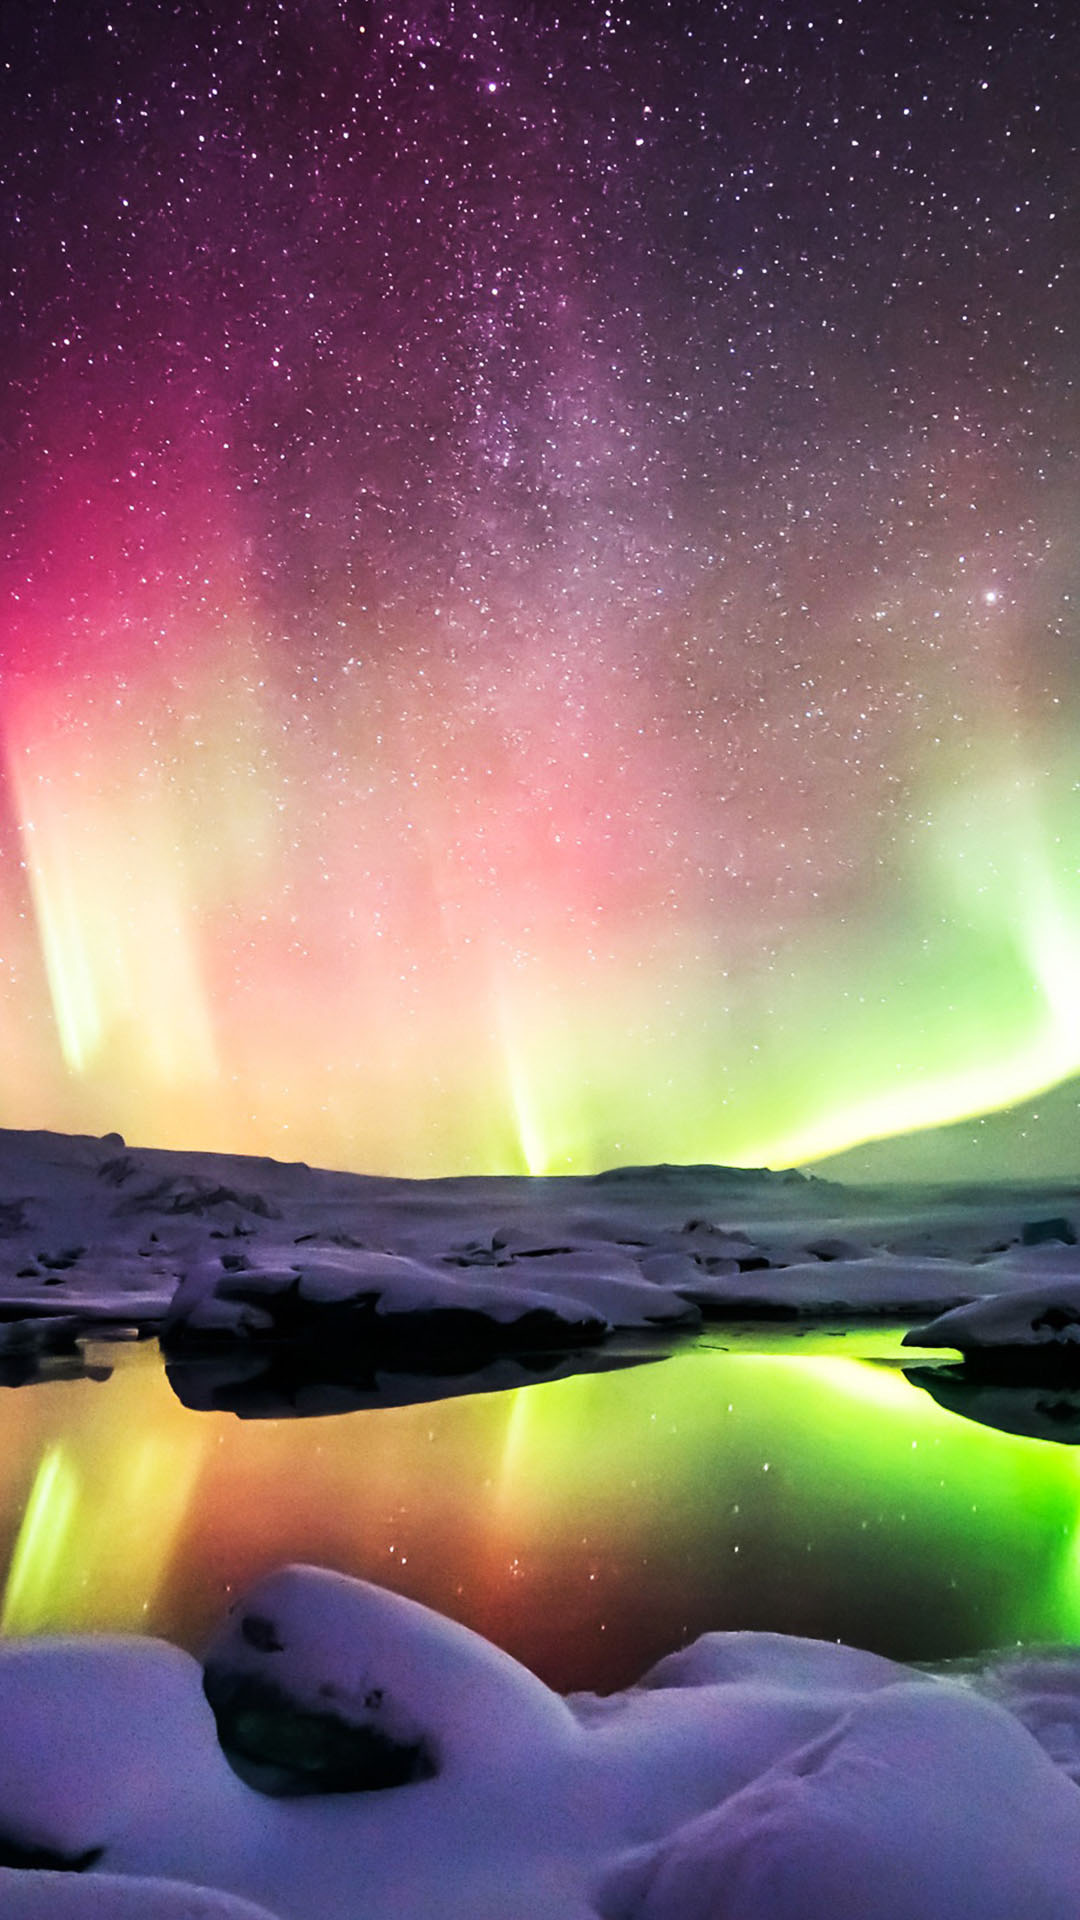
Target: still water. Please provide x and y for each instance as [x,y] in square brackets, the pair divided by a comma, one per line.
[588,1525]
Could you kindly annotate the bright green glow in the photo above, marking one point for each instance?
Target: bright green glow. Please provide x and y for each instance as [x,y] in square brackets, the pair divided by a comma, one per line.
[1009,899]
[944,989]
[886,1486]
[955,995]
[38,1558]
[612,1511]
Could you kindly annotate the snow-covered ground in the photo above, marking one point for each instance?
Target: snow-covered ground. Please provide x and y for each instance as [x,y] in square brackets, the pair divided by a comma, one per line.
[749,1777]
[214,1251]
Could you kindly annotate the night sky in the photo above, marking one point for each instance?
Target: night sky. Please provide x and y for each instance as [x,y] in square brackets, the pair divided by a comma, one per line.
[540,575]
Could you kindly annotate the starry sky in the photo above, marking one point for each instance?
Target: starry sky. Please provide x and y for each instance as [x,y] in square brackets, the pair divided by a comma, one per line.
[539,575]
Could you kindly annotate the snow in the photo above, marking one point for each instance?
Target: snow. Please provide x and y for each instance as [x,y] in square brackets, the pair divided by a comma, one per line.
[1043,1319]
[65,1896]
[102,1735]
[222,1251]
[747,1777]
[1043,1691]
[924,1801]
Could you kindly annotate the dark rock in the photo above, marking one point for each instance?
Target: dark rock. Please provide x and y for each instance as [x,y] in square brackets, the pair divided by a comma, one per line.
[1056,1319]
[282,1748]
[117,1170]
[1034,1233]
[16,1853]
[473,1254]
[260,1633]
[195,1194]
[338,1239]
[831,1248]
[41,1333]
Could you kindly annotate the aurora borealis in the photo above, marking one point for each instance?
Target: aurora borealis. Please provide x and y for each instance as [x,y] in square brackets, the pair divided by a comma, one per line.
[539,576]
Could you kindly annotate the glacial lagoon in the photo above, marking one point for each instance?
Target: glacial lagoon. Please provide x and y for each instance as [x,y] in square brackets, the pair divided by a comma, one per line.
[588,1524]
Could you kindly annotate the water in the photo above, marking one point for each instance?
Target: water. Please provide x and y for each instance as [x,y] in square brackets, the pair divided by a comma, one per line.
[588,1525]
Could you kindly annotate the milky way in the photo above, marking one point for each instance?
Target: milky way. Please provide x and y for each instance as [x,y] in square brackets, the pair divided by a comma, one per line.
[540,575]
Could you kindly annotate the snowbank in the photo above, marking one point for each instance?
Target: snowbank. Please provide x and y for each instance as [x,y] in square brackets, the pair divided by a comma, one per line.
[748,1777]
[924,1801]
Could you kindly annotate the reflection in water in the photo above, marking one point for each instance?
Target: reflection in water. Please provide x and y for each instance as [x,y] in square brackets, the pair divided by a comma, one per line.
[588,1525]
[42,1542]
[1039,1409]
[105,1507]
[302,1382]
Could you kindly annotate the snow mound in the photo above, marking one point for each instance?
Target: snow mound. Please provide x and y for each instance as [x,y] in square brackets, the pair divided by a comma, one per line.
[748,1777]
[101,1734]
[383,1303]
[64,1896]
[1043,1691]
[385,1669]
[786,1659]
[1036,1320]
[924,1801]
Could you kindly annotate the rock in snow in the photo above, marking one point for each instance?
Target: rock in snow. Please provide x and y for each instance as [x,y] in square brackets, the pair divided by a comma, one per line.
[749,1777]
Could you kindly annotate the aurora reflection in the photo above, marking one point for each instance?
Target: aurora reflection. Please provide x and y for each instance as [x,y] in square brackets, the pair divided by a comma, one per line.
[589,1525]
